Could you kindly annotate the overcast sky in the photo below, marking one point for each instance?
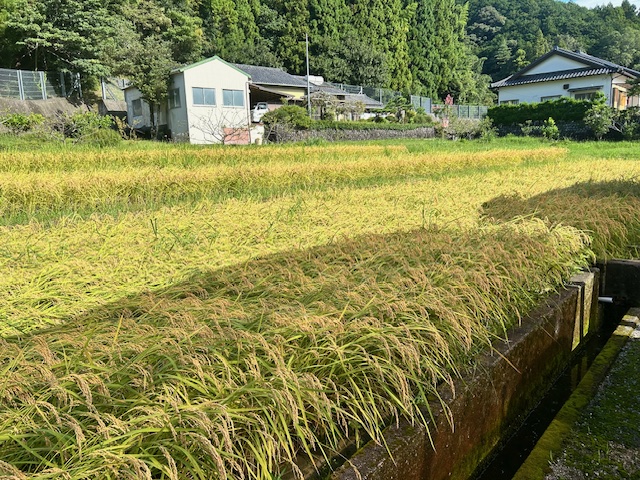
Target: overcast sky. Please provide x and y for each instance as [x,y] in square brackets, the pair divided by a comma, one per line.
[593,3]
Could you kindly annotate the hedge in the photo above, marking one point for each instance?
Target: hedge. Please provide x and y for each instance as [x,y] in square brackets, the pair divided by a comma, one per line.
[564,110]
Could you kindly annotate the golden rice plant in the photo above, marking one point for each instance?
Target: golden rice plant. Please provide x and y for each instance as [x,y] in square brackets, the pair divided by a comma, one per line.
[48,193]
[235,373]
[608,211]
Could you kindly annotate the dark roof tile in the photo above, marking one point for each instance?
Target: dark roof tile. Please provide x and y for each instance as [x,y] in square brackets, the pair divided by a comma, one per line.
[270,76]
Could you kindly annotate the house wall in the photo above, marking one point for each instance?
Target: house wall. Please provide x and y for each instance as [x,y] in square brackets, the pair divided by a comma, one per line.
[296,92]
[533,92]
[178,118]
[144,119]
[216,124]
[556,63]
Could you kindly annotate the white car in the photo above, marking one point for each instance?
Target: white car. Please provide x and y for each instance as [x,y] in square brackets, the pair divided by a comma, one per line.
[258,111]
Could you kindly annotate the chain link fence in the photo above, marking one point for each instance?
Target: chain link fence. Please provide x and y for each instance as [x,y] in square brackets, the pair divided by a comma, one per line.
[30,85]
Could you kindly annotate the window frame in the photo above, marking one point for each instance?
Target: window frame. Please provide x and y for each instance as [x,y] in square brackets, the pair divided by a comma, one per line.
[174,99]
[136,107]
[235,95]
[589,95]
[550,98]
[510,102]
[203,91]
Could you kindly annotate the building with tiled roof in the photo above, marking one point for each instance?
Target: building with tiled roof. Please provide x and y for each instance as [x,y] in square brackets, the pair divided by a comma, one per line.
[563,73]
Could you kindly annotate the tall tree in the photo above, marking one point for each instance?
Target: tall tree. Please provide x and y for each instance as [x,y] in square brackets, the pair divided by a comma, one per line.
[385,25]
[438,50]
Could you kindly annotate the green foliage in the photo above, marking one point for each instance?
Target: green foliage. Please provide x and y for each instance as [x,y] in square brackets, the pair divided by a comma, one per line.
[81,124]
[104,137]
[21,122]
[289,116]
[512,33]
[599,117]
[550,130]
[563,109]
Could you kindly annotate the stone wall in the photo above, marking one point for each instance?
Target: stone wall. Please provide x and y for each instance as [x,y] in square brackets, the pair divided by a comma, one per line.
[339,135]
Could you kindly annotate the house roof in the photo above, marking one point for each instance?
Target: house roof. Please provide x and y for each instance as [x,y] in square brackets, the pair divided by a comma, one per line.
[207,60]
[270,76]
[593,66]
[346,96]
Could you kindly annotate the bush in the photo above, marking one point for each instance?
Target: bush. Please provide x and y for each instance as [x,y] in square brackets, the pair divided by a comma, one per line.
[468,129]
[550,129]
[290,116]
[104,137]
[564,109]
[21,122]
[366,125]
[80,124]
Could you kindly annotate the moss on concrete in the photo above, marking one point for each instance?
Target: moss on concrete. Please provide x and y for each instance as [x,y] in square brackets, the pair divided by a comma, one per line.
[583,428]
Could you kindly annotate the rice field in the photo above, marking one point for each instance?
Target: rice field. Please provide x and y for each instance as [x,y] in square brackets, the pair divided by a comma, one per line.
[178,312]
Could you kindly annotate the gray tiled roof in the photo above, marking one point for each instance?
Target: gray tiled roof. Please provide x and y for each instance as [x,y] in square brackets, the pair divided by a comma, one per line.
[547,77]
[593,66]
[270,76]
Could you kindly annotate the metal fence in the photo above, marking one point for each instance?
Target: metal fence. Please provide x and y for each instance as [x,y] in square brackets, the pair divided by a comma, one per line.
[421,102]
[30,85]
[385,95]
[475,112]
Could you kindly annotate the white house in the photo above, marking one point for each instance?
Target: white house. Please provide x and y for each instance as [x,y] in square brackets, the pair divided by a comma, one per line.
[563,73]
[208,103]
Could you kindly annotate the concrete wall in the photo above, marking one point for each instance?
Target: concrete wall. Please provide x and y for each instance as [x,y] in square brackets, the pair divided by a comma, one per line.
[50,108]
[144,119]
[178,118]
[489,401]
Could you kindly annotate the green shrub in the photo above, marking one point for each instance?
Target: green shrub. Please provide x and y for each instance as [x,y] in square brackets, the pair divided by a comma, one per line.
[80,124]
[21,122]
[366,125]
[600,117]
[550,130]
[564,109]
[291,116]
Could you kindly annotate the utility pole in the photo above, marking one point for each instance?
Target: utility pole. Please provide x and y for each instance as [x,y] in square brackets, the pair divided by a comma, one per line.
[306,37]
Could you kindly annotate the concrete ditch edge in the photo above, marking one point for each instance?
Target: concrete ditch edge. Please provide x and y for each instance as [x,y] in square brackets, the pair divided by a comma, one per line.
[536,466]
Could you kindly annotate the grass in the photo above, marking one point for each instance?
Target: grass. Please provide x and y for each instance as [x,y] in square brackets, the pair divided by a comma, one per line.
[604,441]
[182,312]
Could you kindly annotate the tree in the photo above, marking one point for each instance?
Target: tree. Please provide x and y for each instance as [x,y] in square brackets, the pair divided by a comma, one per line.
[437,46]
[144,51]
[599,117]
[61,35]
[384,25]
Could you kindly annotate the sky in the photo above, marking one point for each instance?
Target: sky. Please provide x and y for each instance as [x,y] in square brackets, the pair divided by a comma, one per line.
[593,3]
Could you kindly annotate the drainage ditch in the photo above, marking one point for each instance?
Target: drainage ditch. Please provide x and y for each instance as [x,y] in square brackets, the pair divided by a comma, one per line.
[505,462]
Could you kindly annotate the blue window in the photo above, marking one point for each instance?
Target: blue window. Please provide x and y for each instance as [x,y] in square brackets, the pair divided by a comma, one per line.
[233,98]
[204,96]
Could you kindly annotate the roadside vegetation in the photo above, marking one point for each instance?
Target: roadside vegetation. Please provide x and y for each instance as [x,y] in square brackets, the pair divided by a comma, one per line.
[186,312]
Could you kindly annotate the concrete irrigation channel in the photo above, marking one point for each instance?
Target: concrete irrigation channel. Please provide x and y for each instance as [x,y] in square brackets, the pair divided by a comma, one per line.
[494,401]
